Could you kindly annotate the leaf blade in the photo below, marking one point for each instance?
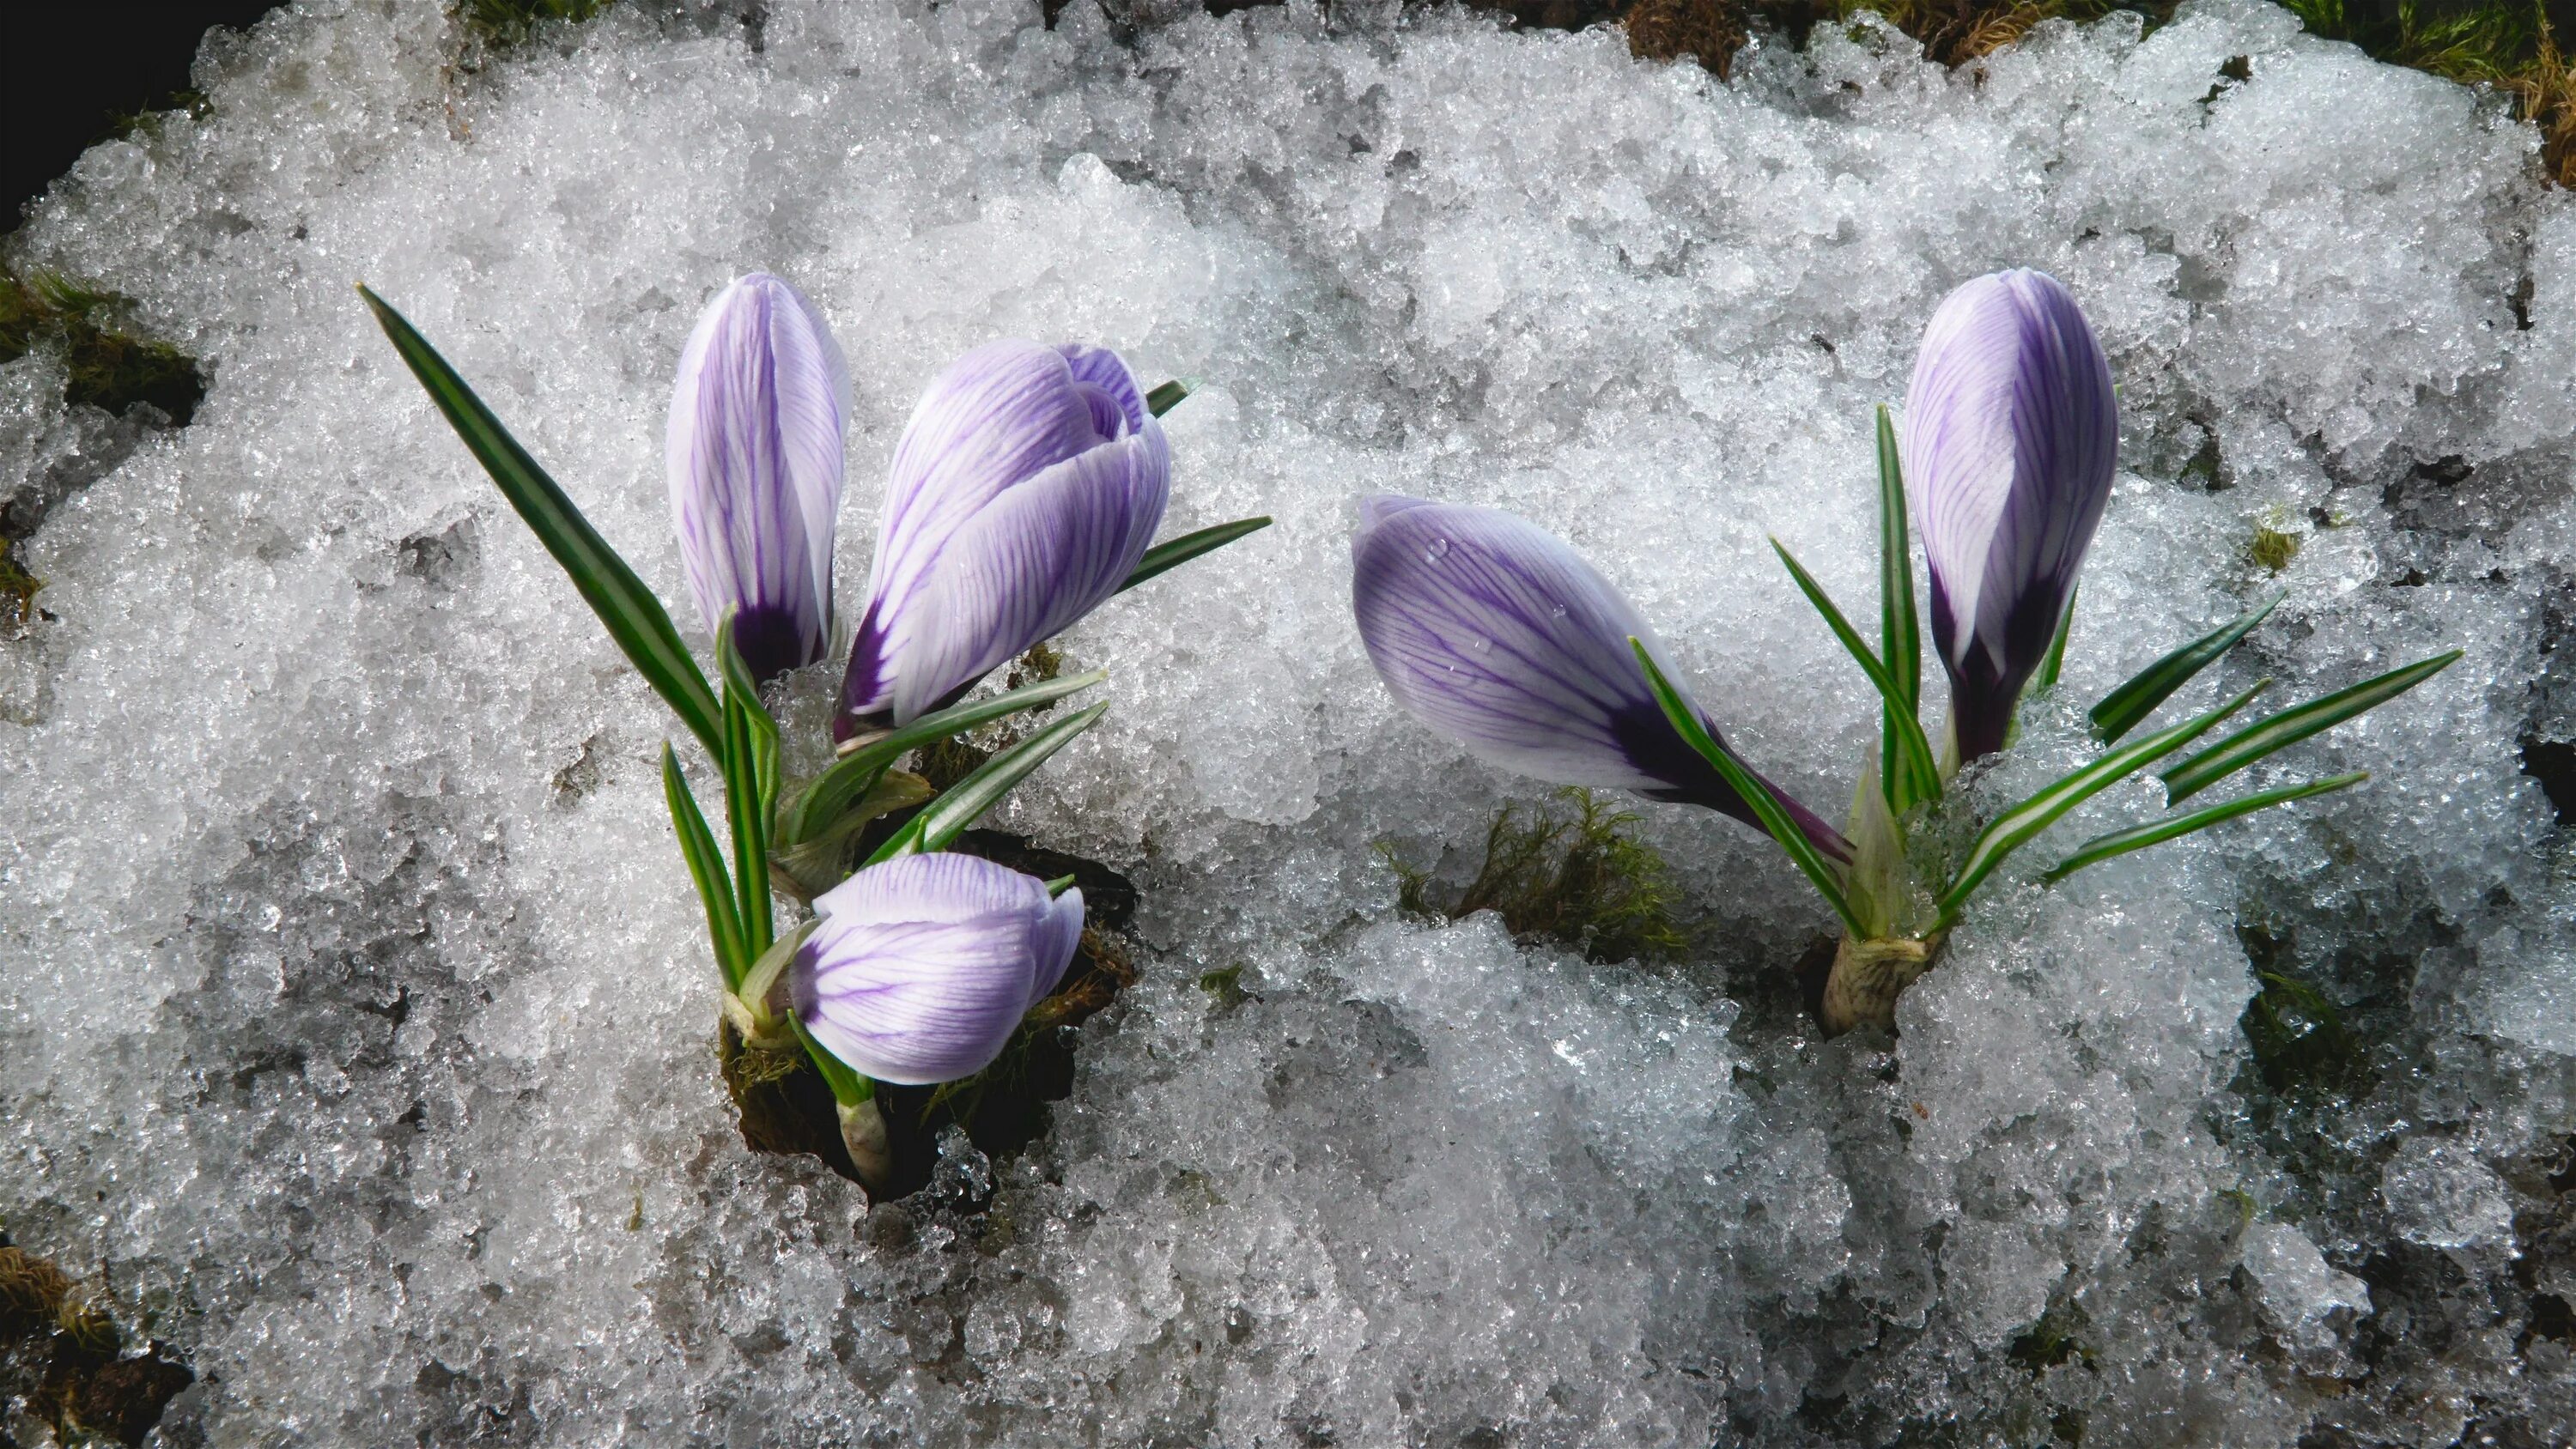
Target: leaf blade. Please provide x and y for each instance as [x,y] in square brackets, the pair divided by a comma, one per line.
[1900,630]
[1911,775]
[851,776]
[1784,831]
[947,817]
[2128,706]
[2295,724]
[635,619]
[2053,663]
[1169,555]
[751,790]
[1166,397]
[2155,832]
[2016,827]
[706,870]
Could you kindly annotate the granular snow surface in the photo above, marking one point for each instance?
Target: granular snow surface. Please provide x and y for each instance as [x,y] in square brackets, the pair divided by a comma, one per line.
[355,1013]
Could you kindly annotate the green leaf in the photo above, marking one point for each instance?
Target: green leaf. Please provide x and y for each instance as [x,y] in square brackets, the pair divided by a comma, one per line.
[751,789]
[2054,662]
[1801,851]
[851,776]
[2156,832]
[1167,397]
[1059,885]
[1171,555]
[966,801]
[1910,773]
[1900,633]
[809,867]
[761,981]
[635,619]
[2128,706]
[706,870]
[2015,827]
[848,1087]
[2293,725]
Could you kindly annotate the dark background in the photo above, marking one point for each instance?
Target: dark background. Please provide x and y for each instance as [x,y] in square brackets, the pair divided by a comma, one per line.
[69,70]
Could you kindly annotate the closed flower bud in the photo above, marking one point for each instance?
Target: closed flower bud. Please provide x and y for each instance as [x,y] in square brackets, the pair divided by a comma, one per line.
[1494,633]
[754,455]
[920,968]
[2011,433]
[1027,485]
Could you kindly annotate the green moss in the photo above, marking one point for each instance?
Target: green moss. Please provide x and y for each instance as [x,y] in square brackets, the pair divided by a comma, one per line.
[2272,548]
[2051,1341]
[504,23]
[1039,665]
[2298,1035]
[1224,983]
[17,591]
[946,762]
[1577,877]
[110,366]
[145,124]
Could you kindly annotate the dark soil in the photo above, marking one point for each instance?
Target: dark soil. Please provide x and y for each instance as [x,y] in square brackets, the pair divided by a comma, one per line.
[61,1357]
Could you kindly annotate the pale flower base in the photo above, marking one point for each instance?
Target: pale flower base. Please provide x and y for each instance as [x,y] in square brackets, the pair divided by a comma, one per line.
[1867,978]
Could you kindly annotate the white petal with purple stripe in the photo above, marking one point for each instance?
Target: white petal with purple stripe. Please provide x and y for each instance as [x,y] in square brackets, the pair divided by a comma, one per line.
[1027,485]
[753,451]
[921,968]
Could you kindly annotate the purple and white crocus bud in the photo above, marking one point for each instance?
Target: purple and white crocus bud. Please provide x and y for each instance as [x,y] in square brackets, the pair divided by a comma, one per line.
[920,968]
[754,454]
[2011,433]
[1027,485]
[1493,632]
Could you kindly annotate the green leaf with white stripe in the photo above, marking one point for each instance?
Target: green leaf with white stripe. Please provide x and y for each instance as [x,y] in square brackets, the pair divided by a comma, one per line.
[1910,773]
[1900,632]
[2017,826]
[2128,706]
[1900,636]
[947,817]
[2053,663]
[706,870]
[1164,557]
[853,775]
[2293,725]
[751,789]
[2156,832]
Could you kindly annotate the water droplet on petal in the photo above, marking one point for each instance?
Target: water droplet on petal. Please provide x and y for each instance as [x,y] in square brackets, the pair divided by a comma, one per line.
[1557,613]
[1434,550]
[1479,646]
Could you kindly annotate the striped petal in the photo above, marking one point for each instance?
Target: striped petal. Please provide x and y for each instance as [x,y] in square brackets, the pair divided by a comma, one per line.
[1494,633]
[2010,439]
[1026,568]
[1026,476]
[921,968]
[753,452]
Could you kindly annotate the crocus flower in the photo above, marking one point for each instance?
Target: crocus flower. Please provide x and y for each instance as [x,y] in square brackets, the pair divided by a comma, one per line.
[1494,633]
[921,968]
[754,454]
[1026,487]
[2011,430]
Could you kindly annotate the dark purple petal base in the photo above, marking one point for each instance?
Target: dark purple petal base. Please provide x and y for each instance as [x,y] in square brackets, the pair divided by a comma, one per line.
[1651,741]
[773,641]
